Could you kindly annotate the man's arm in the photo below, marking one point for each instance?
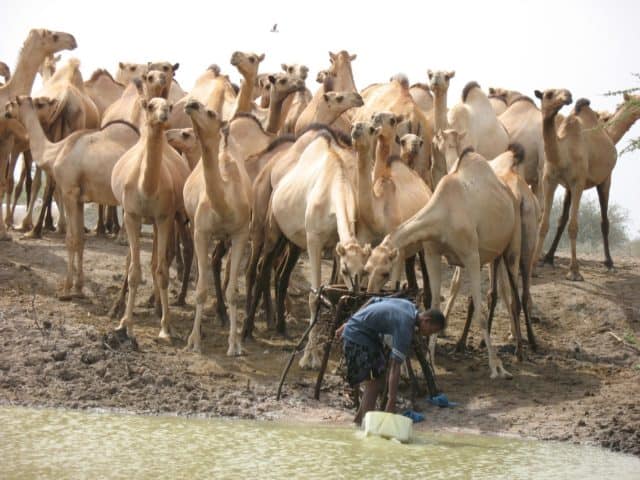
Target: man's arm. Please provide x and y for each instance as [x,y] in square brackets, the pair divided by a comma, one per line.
[394,379]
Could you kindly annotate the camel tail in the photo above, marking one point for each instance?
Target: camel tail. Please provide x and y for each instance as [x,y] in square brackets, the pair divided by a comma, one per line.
[518,153]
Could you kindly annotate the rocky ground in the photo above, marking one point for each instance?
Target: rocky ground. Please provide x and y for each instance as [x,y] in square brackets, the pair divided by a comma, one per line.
[582,385]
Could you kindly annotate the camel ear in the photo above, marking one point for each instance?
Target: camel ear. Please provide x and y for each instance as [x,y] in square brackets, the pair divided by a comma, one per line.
[399,118]
[367,249]
[430,74]
[492,91]
[332,56]
[626,97]
[57,58]
[450,74]
[272,79]
[353,57]
[121,65]
[393,254]
[421,143]
[143,103]
[284,67]
[397,139]
[175,67]
[138,83]
[340,250]
[261,57]
[224,124]
[170,108]
[538,94]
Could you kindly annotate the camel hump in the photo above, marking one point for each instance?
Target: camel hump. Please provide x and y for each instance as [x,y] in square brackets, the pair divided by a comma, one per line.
[580,104]
[466,151]
[518,153]
[467,89]
[215,69]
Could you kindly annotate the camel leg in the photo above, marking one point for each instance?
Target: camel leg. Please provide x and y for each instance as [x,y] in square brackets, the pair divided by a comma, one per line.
[187,257]
[3,229]
[238,243]
[135,272]
[8,218]
[549,189]
[574,268]
[117,308]
[46,214]
[453,291]
[22,182]
[311,357]
[216,266]
[434,268]
[27,221]
[461,346]
[426,287]
[603,197]
[201,245]
[562,223]
[165,230]
[282,284]
[410,272]
[252,267]
[101,229]
[61,227]
[526,301]
[79,249]
[71,244]
[511,269]
[112,224]
[492,294]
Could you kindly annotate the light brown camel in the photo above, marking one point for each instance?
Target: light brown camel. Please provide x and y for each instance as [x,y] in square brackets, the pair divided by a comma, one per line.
[37,46]
[148,181]
[218,201]
[103,89]
[439,83]
[295,104]
[501,98]
[626,114]
[184,140]
[523,121]
[505,167]
[128,71]
[81,166]
[453,224]
[578,155]
[313,206]
[329,107]
[475,117]
[247,64]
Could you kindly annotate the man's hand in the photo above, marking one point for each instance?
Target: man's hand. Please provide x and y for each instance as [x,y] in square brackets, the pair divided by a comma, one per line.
[340,331]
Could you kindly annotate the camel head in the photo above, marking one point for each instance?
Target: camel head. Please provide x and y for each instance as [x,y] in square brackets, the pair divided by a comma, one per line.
[339,102]
[246,63]
[45,108]
[450,144]
[157,112]
[380,265]
[5,71]
[439,80]
[552,100]
[605,116]
[182,139]
[353,258]
[388,123]
[364,136]
[339,61]
[49,42]
[499,93]
[48,66]
[401,79]
[18,108]
[410,145]
[295,69]
[282,84]
[156,83]
[205,121]
[168,68]
[322,75]
[630,104]
[128,71]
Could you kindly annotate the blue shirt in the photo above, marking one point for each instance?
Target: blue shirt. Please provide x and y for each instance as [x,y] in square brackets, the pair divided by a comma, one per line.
[392,316]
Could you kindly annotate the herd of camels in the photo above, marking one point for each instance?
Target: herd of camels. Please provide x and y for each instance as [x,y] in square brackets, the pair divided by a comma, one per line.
[380,177]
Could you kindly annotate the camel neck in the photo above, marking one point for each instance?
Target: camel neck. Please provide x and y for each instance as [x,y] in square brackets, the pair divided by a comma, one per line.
[383,150]
[38,141]
[152,160]
[440,109]
[345,207]
[365,185]
[214,184]
[551,150]
[245,96]
[21,82]
[423,226]
[344,80]
[275,110]
[324,114]
[621,122]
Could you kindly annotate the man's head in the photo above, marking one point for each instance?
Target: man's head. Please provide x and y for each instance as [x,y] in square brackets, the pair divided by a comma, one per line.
[430,322]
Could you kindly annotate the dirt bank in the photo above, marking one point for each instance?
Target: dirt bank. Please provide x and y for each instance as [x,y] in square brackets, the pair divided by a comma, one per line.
[582,385]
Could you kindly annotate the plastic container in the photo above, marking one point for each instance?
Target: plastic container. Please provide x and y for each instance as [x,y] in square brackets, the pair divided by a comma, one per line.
[388,425]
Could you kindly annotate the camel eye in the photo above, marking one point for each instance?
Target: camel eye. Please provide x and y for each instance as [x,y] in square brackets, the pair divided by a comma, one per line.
[282,81]
[132,69]
[150,108]
[185,135]
[165,68]
[547,95]
[371,130]
[392,122]
[55,37]
[252,59]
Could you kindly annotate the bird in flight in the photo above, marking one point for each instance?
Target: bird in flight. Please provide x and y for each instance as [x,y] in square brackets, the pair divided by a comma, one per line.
[274,29]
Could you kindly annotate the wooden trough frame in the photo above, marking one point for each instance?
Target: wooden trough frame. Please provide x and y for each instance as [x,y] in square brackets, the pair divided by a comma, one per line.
[343,303]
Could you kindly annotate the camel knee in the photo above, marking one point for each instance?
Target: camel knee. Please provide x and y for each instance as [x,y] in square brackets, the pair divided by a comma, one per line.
[201,295]
[573,230]
[134,276]
[162,274]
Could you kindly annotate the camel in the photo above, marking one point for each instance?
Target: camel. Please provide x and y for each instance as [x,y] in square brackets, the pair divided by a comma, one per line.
[5,71]
[523,122]
[81,166]
[475,117]
[103,89]
[579,156]
[247,64]
[295,104]
[37,46]
[626,114]
[148,181]
[184,140]
[128,71]
[421,94]
[218,201]
[505,167]
[314,204]
[439,83]
[469,190]
[329,107]
[501,98]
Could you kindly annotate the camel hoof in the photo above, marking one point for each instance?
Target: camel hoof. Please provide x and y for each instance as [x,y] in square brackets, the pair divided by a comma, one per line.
[548,260]
[234,350]
[179,302]
[32,235]
[65,297]
[5,237]
[574,276]
[461,347]
[78,294]
[304,363]
[164,338]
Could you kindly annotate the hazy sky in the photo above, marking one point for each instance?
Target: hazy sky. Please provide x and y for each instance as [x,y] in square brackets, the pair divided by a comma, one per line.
[589,47]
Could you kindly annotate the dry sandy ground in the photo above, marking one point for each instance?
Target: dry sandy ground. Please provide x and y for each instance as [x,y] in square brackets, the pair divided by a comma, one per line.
[582,385]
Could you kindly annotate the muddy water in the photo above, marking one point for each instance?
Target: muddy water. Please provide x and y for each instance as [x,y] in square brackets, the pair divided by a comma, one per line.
[63,444]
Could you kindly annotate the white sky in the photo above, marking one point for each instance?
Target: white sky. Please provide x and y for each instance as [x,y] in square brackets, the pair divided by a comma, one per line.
[588,47]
